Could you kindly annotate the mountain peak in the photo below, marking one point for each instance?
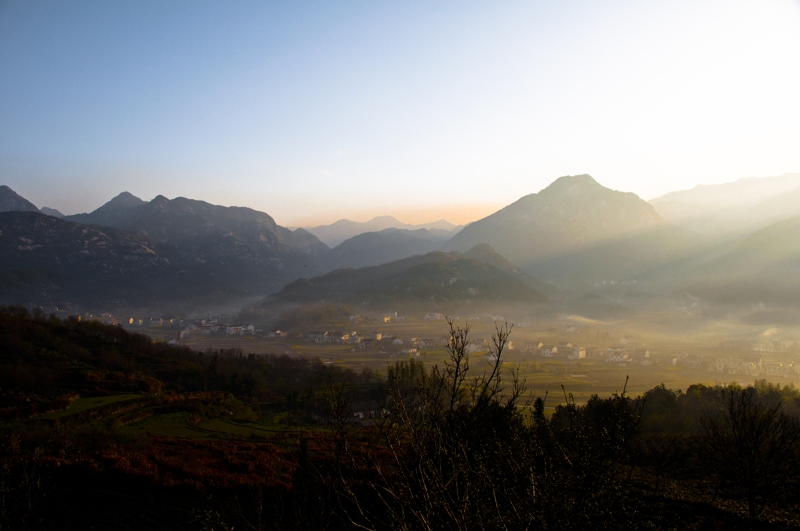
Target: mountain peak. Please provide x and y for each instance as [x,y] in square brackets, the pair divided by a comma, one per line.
[125,199]
[572,185]
[11,200]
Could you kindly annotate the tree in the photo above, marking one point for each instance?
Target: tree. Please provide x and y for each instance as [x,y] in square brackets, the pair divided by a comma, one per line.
[751,445]
[455,451]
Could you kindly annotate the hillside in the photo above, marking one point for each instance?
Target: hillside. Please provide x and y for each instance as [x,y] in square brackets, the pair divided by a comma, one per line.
[578,229]
[241,244]
[10,201]
[116,213]
[375,248]
[764,267]
[736,207]
[435,276]
[44,259]
[344,229]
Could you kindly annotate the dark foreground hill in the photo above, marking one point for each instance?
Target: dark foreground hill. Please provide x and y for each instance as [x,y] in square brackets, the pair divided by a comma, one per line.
[435,276]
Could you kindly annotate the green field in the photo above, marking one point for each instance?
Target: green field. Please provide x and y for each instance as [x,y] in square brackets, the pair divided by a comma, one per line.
[84,404]
[665,333]
[178,425]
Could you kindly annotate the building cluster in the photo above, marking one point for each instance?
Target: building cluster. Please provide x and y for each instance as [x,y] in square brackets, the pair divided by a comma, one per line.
[212,326]
[155,321]
[753,368]
[570,352]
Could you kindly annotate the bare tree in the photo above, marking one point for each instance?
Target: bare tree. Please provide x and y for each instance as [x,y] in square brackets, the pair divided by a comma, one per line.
[751,445]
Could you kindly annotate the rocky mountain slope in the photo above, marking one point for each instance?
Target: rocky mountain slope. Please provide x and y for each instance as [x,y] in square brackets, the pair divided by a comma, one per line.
[237,242]
[45,259]
[192,251]
[10,201]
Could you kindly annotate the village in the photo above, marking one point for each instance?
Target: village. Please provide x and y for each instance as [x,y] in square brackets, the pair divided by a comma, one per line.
[757,359]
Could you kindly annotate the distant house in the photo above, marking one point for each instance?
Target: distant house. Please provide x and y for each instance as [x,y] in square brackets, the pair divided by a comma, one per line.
[336,336]
[578,353]
[475,347]
[773,368]
[616,355]
[411,352]
[367,344]
[547,351]
[397,341]
[427,342]
[316,336]
[234,329]
[692,360]
[431,316]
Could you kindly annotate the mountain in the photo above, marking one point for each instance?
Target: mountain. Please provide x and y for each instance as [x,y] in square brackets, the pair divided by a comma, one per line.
[195,252]
[115,213]
[436,276]
[344,229]
[51,212]
[576,229]
[719,208]
[486,254]
[374,248]
[763,267]
[10,201]
[236,242]
[46,259]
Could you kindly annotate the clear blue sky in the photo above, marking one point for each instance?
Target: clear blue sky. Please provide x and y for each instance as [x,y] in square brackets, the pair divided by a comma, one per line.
[313,111]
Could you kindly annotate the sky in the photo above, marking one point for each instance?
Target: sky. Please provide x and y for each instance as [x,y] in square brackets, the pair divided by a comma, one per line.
[316,111]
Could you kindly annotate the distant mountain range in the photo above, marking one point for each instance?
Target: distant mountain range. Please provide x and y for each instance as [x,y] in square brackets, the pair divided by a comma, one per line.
[565,242]
[203,252]
[344,229]
[764,267]
[740,207]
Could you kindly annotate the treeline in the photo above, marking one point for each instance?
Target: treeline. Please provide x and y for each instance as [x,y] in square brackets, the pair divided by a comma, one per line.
[44,358]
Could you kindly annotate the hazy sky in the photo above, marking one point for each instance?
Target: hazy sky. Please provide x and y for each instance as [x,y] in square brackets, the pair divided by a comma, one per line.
[313,111]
